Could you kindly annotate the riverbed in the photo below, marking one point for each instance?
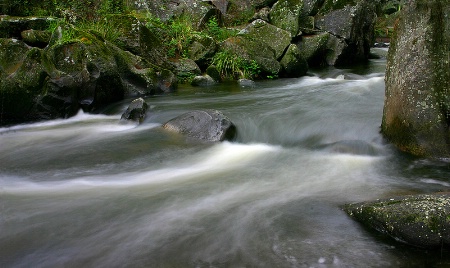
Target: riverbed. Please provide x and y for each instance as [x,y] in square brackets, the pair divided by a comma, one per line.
[90,191]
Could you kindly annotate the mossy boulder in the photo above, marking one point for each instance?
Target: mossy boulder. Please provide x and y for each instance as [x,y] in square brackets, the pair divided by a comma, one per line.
[186,69]
[269,35]
[331,5]
[86,73]
[139,40]
[416,116]
[418,220]
[12,27]
[293,64]
[354,26]
[313,48]
[285,14]
[202,50]
[36,38]
[311,7]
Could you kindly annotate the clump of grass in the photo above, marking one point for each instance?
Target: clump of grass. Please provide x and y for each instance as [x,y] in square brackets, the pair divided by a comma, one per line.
[232,66]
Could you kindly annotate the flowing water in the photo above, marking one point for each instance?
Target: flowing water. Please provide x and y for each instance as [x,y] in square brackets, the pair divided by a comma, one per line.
[91,192]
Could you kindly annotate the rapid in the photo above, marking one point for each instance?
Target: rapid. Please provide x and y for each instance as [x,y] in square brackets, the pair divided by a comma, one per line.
[90,191]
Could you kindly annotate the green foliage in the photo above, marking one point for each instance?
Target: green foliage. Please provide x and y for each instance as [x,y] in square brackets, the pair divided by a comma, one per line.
[232,66]
[102,28]
[218,33]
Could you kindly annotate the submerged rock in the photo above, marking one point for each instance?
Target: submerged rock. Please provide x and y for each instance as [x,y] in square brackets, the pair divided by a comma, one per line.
[136,111]
[208,125]
[418,220]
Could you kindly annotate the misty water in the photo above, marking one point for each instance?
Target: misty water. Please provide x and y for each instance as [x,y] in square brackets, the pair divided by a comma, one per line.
[89,191]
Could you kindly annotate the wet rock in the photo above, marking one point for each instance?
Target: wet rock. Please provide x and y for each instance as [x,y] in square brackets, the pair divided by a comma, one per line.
[203,81]
[136,111]
[207,125]
[246,83]
[418,220]
[416,116]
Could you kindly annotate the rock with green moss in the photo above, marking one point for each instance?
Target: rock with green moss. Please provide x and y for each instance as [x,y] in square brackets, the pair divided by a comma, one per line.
[36,38]
[260,42]
[311,7]
[416,116]
[202,50]
[353,24]
[331,5]
[269,35]
[418,220]
[22,85]
[313,48]
[285,14]
[293,64]
[12,27]
[253,50]
[139,40]
[84,72]
[187,69]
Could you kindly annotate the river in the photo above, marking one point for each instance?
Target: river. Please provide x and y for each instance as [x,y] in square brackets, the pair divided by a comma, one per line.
[89,191]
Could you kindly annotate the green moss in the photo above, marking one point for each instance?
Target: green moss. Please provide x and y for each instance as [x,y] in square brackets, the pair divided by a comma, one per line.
[331,5]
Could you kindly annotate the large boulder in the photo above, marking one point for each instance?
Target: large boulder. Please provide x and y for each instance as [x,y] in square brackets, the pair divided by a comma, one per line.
[418,220]
[86,73]
[353,26]
[293,64]
[139,40]
[314,48]
[12,27]
[268,35]
[261,42]
[416,116]
[285,14]
[207,125]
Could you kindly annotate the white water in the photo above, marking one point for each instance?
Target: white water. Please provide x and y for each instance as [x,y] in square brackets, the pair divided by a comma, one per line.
[91,192]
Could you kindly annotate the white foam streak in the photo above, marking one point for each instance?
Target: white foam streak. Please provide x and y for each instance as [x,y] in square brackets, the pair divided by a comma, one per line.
[219,158]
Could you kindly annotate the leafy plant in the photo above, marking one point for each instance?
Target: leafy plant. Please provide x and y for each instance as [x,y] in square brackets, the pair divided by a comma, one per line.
[214,30]
[233,66]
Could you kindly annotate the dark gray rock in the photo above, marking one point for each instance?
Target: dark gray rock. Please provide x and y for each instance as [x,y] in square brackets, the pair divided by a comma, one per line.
[353,27]
[136,111]
[416,115]
[418,220]
[207,125]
